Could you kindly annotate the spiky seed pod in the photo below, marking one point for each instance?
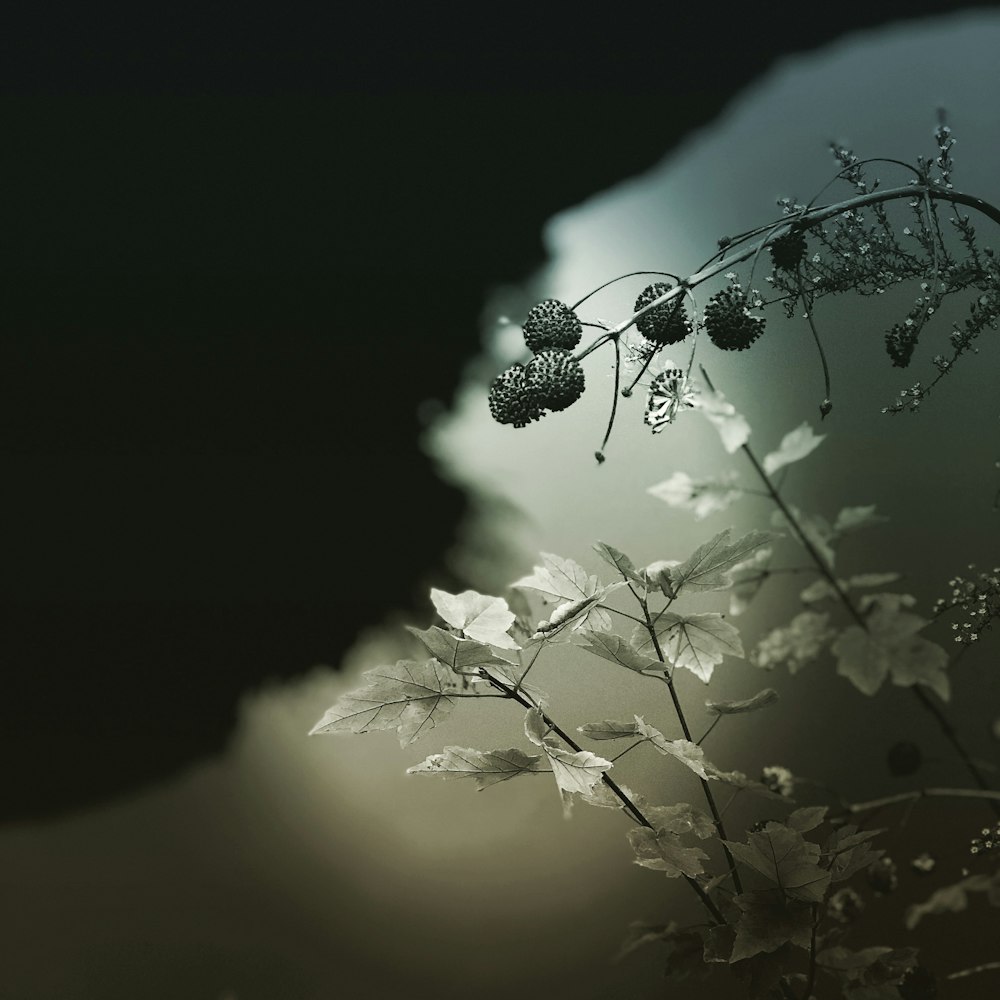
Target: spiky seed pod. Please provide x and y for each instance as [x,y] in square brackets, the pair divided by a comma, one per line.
[788,251]
[900,340]
[729,322]
[552,324]
[666,324]
[556,378]
[514,399]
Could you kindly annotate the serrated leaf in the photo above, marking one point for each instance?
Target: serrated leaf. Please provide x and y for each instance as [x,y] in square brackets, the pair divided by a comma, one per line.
[849,852]
[890,645]
[607,730]
[952,898]
[760,700]
[795,445]
[795,644]
[681,818]
[689,754]
[807,818]
[732,426]
[409,696]
[663,851]
[620,561]
[486,768]
[710,565]
[464,656]
[574,771]
[696,642]
[562,579]
[611,646]
[486,619]
[783,856]
[855,518]
[703,497]
[768,921]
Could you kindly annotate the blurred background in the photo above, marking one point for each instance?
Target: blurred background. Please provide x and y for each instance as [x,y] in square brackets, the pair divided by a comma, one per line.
[257,279]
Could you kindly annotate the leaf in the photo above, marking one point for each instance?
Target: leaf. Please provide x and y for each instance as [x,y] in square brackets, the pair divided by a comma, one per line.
[783,856]
[568,582]
[703,497]
[684,948]
[620,561]
[464,656]
[760,700]
[611,646]
[952,898]
[795,644]
[855,518]
[768,921]
[510,674]
[806,819]
[748,577]
[681,818]
[663,851]
[410,697]
[479,617]
[574,772]
[608,730]
[486,768]
[641,934]
[711,564]
[795,445]
[695,642]
[890,646]
[849,851]
[688,753]
[732,426]
[580,613]
[871,579]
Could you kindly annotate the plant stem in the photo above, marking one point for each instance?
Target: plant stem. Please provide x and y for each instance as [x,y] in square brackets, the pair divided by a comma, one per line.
[814,218]
[925,700]
[810,981]
[629,805]
[922,793]
[986,967]
[687,735]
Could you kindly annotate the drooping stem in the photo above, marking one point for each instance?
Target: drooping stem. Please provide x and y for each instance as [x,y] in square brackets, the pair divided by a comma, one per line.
[709,797]
[635,812]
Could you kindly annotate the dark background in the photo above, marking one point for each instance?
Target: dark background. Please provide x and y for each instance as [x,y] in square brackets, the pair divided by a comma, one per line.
[239,251]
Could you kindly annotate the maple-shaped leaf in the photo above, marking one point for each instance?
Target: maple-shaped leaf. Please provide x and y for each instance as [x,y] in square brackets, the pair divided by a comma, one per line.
[580,614]
[769,920]
[890,645]
[682,947]
[613,647]
[732,426]
[795,445]
[410,697]
[478,616]
[855,518]
[663,851]
[848,851]
[464,656]
[739,780]
[578,771]
[485,767]
[762,973]
[710,565]
[795,644]
[568,582]
[608,730]
[702,497]
[783,856]
[760,700]
[868,974]
[681,818]
[620,561]
[953,898]
[747,579]
[696,642]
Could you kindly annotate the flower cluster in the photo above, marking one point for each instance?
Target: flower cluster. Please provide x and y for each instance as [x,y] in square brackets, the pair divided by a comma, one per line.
[978,598]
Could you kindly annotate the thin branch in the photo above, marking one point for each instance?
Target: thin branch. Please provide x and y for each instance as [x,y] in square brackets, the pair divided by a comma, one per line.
[923,793]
